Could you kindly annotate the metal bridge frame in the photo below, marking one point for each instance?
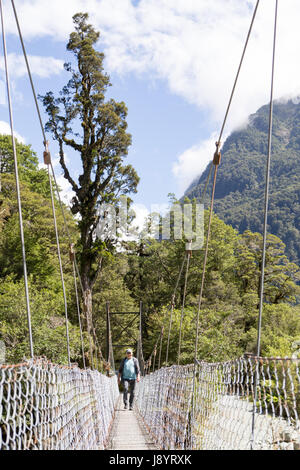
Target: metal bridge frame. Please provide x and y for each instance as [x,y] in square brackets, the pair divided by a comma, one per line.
[136,316]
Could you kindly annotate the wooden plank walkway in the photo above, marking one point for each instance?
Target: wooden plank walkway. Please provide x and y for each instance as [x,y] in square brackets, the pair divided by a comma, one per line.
[128,432]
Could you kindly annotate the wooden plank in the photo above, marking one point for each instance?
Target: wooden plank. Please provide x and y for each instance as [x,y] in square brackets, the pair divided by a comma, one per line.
[127,431]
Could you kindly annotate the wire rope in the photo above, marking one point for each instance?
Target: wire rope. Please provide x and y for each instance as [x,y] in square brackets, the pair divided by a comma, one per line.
[17,185]
[49,163]
[216,162]
[266,207]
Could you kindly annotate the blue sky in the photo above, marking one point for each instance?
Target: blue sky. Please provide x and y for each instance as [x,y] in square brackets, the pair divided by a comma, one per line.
[173,63]
[162,124]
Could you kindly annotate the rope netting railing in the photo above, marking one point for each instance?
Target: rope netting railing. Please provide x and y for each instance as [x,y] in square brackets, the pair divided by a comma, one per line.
[48,407]
[164,404]
[224,405]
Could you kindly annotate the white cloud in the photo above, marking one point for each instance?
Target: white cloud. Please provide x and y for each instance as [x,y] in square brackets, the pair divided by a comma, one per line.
[193,162]
[141,214]
[66,192]
[2,93]
[192,45]
[43,67]
[5,129]
[39,18]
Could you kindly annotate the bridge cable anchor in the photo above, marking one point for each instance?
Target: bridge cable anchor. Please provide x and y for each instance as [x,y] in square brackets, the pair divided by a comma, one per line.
[46,154]
[217,154]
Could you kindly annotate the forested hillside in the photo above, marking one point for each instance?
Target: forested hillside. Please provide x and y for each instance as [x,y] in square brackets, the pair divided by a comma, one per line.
[241,176]
[47,304]
[142,271]
[125,273]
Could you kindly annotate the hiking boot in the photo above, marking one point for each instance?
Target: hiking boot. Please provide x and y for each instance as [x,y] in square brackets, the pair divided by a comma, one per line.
[130,408]
[125,406]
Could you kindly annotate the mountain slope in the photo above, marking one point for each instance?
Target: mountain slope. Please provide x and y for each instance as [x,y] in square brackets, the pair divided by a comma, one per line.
[241,176]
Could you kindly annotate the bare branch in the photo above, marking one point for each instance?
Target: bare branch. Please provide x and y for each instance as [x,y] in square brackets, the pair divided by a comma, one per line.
[72,143]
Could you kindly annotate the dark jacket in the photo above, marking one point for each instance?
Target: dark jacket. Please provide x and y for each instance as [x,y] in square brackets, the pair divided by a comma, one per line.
[136,366]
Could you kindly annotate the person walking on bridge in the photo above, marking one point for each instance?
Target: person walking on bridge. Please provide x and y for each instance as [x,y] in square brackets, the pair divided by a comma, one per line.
[129,374]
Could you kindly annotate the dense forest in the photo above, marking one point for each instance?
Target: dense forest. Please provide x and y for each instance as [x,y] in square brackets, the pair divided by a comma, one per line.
[241,176]
[145,270]
[142,271]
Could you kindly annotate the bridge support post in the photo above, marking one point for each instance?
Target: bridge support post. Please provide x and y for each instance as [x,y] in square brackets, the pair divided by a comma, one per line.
[107,331]
[140,342]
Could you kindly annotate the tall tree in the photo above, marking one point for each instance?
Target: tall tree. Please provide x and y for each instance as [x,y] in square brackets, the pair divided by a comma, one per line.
[102,145]
[28,165]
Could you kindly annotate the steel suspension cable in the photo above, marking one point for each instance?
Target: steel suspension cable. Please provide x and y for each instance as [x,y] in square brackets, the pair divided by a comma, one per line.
[79,315]
[87,319]
[154,355]
[172,308]
[266,208]
[140,354]
[42,128]
[267,184]
[72,260]
[28,69]
[160,346]
[206,252]
[45,140]
[216,162]
[60,268]
[183,304]
[238,71]
[90,328]
[48,162]
[17,185]
[173,296]
[206,184]
[161,334]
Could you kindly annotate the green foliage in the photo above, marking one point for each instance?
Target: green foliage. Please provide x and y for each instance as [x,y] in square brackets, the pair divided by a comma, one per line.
[102,143]
[29,172]
[48,325]
[241,177]
[147,271]
[281,328]
[229,313]
[39,232]
[110,287]
[47,307]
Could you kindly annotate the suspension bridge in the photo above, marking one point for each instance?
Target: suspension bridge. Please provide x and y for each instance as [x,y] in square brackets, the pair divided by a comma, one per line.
[251,402]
